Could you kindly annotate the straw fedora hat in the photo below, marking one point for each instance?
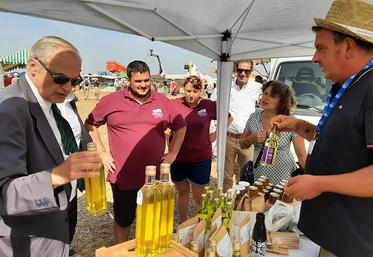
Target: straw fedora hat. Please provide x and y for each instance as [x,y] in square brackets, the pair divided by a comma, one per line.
[350,17]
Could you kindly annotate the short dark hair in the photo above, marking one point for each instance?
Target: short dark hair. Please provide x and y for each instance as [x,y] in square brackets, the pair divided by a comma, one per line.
[339,37]
[287,100]
[246,61]
[137,66]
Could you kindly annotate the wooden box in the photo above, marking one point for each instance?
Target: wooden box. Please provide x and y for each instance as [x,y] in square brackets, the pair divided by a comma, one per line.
[127,249]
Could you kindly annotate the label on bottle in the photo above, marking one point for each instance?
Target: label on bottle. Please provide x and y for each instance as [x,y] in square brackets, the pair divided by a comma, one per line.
[224,247]
[258,249]
[267,157]
[139,197]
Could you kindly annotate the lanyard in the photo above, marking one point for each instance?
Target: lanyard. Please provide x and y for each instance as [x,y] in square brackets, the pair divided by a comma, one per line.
[330,104]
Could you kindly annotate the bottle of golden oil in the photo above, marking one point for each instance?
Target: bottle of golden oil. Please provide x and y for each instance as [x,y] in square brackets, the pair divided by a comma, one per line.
[148,215]
[96,189]
[168,192]
[270,149]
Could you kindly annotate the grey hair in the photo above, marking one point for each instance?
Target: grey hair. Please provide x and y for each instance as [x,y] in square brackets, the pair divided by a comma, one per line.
[46,46]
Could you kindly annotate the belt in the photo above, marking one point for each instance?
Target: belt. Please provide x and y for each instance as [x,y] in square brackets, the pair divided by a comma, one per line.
[233,135]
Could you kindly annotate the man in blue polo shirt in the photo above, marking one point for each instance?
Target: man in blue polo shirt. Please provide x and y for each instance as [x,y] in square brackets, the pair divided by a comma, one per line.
[337,190]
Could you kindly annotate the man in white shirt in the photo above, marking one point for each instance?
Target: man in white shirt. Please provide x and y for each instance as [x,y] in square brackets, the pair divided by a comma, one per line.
[244,94]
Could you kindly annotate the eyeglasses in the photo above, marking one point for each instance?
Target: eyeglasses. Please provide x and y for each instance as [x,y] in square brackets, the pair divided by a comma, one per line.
[61,79]
[193,79]
[247,72]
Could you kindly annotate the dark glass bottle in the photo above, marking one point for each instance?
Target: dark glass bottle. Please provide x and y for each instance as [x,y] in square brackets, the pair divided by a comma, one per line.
[259,237]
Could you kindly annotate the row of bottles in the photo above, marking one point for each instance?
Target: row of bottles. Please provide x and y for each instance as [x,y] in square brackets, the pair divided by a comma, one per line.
[212,201]
[155,212]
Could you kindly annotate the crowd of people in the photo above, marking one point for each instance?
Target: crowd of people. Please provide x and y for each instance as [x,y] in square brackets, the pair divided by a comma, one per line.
[43,141]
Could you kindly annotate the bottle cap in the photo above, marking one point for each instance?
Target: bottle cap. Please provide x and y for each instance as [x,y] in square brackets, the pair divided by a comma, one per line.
[260,216]
[244,183]
[150,170]
[165,168]
[91,146]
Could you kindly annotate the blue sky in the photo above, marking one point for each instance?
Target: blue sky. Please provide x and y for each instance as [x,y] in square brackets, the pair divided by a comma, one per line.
[96,46]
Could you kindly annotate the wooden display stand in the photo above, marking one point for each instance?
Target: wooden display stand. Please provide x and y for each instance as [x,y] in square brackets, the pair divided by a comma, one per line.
[127,249]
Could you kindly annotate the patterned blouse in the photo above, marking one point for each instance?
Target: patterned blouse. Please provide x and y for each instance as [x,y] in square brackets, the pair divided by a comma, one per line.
[284,163]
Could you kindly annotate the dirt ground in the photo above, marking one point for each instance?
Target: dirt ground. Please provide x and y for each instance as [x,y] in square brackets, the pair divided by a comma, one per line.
[96,232]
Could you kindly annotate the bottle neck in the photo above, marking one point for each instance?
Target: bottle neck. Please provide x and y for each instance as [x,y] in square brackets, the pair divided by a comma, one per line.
[150,180]
[165,177]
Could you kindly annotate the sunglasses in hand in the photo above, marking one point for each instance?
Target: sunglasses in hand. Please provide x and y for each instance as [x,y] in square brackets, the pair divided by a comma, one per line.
[61,79]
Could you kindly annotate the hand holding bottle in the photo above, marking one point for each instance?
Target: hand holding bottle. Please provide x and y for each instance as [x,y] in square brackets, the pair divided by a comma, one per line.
[260,137]
[283,123]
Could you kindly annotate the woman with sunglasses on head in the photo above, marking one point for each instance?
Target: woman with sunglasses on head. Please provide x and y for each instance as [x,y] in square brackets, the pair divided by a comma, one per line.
[192,166]
[277,98]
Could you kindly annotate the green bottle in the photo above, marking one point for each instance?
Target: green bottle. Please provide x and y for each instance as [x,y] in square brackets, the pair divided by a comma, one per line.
[270,149]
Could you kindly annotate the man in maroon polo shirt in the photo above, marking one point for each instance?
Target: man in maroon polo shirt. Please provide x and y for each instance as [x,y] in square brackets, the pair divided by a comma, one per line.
[136,119]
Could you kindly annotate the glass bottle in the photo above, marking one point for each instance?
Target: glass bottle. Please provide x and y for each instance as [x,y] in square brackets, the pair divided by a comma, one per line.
[148,215]
[168,192]
[96,189]
[259,237]
[270,149]
[236,249]
[203,210]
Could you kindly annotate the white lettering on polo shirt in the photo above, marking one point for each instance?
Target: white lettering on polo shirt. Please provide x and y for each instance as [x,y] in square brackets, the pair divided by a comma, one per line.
[202,113]
[157,113]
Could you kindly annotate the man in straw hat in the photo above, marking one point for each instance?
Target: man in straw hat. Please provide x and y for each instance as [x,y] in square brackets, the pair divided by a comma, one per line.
[337,190]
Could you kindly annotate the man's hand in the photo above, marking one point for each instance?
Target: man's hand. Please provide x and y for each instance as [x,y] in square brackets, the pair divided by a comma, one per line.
[77,165]
[169,157]
[283,123]
[303,187]
[260,137]
[107,161]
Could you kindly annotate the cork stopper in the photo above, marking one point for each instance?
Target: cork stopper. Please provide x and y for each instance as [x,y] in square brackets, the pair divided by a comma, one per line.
[165,168]
[91,146]
[150,170]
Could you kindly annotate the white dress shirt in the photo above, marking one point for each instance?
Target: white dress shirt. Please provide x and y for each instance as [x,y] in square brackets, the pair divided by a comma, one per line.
[68,113]
[241,104]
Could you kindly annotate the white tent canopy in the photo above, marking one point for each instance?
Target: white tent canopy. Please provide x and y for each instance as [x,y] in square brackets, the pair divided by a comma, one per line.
[224,30]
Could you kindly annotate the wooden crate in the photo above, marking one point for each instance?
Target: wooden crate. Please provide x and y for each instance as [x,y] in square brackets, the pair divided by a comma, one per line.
[127,249]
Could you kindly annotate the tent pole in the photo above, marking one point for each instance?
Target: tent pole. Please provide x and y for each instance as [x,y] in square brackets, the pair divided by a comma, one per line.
[225,68]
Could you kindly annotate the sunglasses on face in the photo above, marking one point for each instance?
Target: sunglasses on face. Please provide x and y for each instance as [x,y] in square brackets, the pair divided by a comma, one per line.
[193,80]
[61,79]
[247,72]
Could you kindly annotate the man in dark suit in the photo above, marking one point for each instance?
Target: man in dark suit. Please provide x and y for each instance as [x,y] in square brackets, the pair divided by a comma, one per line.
[36,165]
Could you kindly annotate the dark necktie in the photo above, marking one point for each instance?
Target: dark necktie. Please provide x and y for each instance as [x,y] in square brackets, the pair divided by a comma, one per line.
[67,134]
[67,138]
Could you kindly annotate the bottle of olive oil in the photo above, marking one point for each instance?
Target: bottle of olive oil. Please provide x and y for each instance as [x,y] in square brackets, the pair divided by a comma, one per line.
[148,215]
[168,192]
[96,189]
[270,149]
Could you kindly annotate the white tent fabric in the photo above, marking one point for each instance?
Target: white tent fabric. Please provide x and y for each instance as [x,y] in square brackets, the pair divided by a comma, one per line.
[224,30]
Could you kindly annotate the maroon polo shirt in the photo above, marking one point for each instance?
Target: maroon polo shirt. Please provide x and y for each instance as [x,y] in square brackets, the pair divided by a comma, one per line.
[196,146]
[135,132]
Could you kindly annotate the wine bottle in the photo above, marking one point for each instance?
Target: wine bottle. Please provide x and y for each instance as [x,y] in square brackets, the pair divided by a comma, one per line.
[259,237]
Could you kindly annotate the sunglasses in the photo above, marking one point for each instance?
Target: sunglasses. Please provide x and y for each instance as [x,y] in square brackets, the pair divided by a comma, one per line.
[61,79]
[247,72]
[193,79]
